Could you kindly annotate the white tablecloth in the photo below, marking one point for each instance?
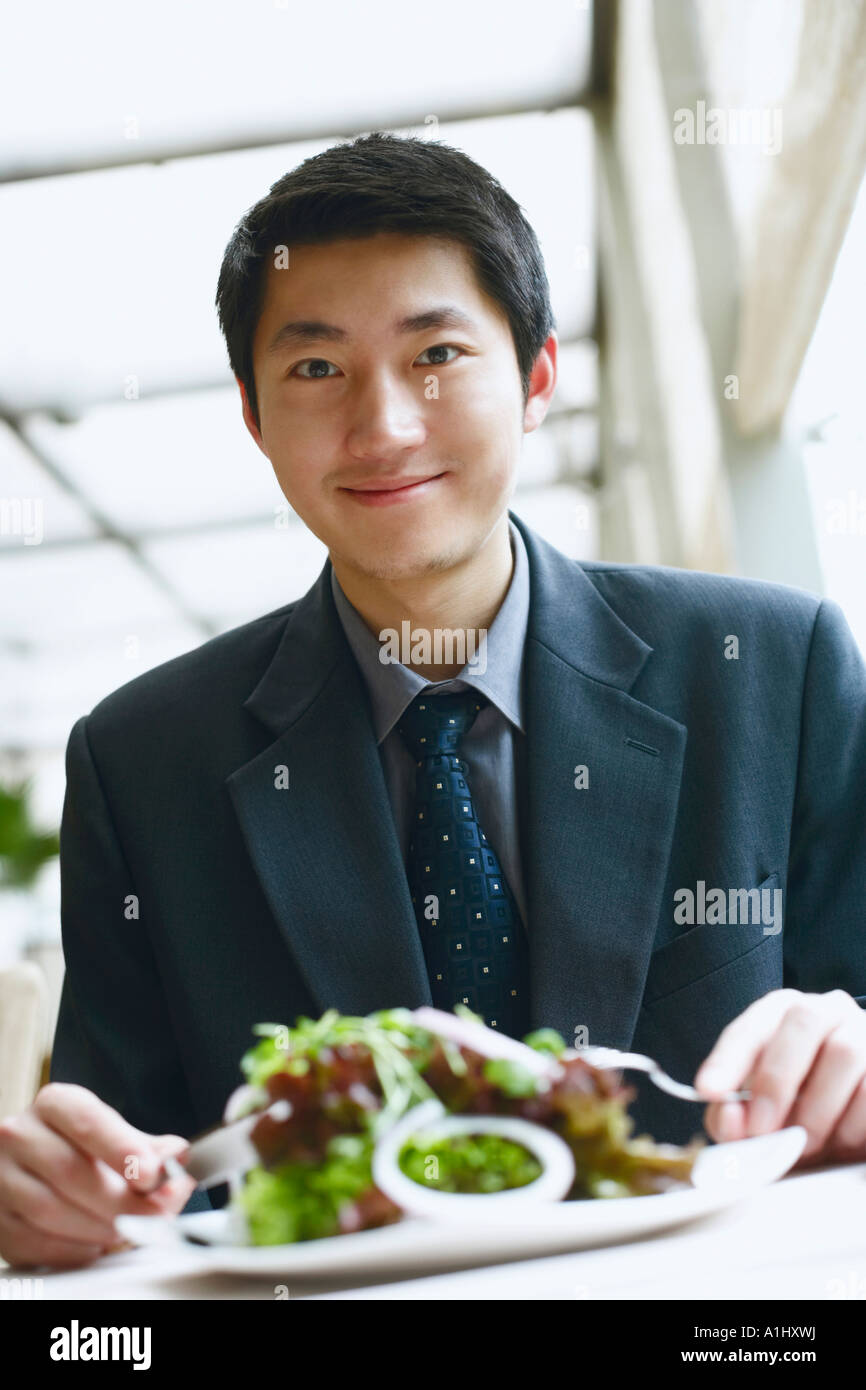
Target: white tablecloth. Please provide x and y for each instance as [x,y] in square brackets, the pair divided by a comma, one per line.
[803,1237]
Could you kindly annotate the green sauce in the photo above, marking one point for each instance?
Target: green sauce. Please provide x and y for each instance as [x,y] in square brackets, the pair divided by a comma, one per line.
[468,1163]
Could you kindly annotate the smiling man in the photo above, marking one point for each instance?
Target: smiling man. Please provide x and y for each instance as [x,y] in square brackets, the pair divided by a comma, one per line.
[288,819]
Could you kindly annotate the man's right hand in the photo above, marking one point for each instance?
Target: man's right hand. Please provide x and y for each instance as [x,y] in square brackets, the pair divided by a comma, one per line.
[68,1166]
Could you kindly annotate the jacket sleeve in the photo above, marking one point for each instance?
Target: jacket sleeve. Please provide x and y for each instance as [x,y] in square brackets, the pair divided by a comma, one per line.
[114,1034]
[824,918]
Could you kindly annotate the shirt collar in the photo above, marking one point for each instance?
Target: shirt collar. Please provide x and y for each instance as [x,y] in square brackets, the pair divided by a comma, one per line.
[392,686]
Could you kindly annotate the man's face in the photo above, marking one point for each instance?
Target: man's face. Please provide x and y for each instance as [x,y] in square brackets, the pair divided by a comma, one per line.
[358,399]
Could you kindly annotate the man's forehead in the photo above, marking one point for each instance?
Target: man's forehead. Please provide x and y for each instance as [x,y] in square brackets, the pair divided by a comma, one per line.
[446,293]
[348,260]
[381,242]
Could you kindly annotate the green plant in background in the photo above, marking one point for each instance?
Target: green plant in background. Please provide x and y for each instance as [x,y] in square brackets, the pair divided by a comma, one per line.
[23,848]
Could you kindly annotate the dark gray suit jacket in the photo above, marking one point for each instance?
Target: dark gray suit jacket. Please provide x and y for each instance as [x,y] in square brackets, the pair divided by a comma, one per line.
[198,898]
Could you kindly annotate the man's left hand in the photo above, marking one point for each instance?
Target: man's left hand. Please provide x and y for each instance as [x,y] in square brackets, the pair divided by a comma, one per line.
[803,1057]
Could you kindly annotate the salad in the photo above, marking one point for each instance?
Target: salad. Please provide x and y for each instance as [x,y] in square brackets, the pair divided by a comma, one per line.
[347,1082]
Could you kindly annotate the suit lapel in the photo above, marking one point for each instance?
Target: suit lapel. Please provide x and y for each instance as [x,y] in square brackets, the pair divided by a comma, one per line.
[596,857]
[325,848]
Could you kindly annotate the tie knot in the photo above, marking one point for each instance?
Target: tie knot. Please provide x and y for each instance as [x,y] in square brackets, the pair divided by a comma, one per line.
[434,724]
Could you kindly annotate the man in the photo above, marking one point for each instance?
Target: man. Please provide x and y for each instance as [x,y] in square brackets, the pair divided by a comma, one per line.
[619,797]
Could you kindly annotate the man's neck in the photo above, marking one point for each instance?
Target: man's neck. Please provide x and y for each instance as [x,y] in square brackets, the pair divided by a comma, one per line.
[464,599]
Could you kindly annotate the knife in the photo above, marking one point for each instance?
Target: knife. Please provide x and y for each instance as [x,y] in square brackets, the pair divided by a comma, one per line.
[220,1153]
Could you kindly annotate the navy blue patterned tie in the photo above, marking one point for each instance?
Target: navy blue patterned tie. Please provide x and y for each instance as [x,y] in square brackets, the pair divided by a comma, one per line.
[474,943]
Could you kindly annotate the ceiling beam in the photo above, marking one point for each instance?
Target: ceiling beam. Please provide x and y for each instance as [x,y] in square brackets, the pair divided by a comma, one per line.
[134,154]
[106,528]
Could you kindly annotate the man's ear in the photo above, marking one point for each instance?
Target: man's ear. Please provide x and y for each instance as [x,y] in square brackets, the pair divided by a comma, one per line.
[248,417]
[542,384]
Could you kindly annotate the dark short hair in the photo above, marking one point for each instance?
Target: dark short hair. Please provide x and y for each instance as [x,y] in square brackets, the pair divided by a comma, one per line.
[384,182]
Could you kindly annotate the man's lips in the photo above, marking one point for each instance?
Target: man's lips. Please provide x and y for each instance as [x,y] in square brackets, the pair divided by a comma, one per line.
[384,491]
[392,484]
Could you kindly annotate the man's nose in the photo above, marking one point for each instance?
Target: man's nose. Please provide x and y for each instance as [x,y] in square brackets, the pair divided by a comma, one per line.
[386,416]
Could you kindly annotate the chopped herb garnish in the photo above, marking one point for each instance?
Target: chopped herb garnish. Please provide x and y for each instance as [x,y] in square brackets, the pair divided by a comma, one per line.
[546,1040]
[510,1077]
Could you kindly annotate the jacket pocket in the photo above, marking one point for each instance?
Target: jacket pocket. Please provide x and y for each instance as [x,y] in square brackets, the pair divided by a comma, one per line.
[703,949]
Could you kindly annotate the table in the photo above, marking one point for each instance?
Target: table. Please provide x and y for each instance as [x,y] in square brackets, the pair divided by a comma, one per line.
[804,1237]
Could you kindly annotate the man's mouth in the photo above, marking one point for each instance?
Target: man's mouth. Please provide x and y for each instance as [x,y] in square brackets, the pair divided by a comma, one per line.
[384,491]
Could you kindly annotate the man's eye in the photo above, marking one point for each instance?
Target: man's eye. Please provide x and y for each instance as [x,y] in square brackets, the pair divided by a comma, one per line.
[316,364]
[442,347]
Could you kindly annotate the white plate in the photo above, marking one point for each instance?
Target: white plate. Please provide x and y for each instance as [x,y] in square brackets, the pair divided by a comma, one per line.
[723,1175]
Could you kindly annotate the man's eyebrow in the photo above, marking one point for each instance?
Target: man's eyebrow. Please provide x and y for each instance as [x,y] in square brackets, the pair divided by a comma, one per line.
[300,331]
[442,316]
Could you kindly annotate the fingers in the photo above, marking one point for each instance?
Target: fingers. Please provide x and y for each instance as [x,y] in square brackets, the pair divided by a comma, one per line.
[725,1121]
[37,1225]
[830,1086]
[848,1139]
[45,1211]
[782,1067]
[90,1185]
[23,1247]
[172,1194]
[100,1132]
[67,1168]
[804,1056]
[739,1044]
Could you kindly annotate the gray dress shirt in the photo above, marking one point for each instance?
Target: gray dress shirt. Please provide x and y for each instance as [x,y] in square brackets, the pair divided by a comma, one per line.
[494,749]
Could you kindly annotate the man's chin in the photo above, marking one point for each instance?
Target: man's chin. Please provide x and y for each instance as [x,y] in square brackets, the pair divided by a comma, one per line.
[396,566]
[421,547]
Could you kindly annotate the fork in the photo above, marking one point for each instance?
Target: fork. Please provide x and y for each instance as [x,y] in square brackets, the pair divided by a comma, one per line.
[605,1057]
[475,1035]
